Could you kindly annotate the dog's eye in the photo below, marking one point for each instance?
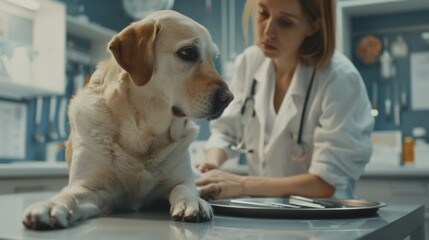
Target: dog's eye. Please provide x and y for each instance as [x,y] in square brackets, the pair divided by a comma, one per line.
[189,54]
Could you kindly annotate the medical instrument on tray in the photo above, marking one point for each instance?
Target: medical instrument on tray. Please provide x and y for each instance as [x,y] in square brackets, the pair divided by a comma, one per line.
[264,204]
[293,202]
[311,202]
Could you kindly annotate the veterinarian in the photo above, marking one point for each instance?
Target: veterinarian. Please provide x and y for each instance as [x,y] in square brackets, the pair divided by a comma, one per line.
[301,112]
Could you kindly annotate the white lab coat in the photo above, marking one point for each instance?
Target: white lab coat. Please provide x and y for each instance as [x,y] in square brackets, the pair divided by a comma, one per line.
[336,128]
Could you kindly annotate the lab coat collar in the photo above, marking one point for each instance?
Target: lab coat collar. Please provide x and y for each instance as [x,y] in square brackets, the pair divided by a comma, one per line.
[266,68]
[302,72]
[302,78]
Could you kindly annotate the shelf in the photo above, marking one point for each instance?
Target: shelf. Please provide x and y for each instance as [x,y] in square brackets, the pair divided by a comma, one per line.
[347,9]
[370,7]
[88,30]
[18,91]
[99,37]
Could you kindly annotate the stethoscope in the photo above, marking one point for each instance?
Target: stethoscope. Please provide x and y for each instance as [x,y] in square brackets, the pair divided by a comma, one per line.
[249,103]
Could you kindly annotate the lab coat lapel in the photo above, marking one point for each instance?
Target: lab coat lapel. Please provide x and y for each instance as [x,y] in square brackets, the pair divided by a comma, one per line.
[292,102]
[262,76]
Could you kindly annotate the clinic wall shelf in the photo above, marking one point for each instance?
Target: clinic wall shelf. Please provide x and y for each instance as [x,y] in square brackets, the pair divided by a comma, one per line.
[394,30]
[98,36]
[88,30]
[18,91]
[346,9]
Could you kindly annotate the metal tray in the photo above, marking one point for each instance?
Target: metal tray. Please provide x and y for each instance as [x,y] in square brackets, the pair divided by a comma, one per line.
[352,208]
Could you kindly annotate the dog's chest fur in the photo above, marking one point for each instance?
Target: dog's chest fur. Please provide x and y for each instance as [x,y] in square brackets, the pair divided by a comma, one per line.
[140,154]
[151,175]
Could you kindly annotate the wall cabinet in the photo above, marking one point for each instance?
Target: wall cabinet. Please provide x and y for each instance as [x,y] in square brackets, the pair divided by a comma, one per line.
[32,177]
[396,190]
[34,63]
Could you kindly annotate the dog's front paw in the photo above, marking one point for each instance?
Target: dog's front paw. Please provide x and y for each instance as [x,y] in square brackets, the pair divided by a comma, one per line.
[192,209]
[47,215]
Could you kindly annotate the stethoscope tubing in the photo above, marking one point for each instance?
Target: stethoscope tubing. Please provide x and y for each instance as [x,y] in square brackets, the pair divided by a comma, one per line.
[304,108]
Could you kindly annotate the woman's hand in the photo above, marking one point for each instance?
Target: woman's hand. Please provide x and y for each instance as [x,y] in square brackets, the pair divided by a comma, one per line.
[216,184]
[205,167]
[215,157]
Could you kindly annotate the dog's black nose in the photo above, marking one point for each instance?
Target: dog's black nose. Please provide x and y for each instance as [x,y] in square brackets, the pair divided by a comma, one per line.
[223,97]
[220,100]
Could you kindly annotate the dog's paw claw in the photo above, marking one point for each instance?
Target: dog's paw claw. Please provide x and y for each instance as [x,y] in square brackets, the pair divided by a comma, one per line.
[46,215]
[195,210]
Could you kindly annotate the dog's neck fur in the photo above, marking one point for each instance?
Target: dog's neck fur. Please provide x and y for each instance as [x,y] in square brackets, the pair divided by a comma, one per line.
[146,106]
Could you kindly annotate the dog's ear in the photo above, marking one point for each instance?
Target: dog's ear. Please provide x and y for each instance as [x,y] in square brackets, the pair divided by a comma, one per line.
[133,49]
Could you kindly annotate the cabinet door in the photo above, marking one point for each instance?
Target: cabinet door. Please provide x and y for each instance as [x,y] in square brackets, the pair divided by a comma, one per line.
[49,41]
[394,191]
[32,60]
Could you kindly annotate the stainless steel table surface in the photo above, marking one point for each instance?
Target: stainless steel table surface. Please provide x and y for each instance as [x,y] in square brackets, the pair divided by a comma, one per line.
[391,222]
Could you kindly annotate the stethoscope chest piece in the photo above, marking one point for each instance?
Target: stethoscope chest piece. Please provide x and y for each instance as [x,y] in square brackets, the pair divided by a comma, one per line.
[300,151]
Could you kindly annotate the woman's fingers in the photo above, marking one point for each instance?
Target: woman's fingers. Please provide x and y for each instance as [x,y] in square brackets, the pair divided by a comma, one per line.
[211,190]
[207,180]
[216,184]
[209,186]
[204,167]
[202,181]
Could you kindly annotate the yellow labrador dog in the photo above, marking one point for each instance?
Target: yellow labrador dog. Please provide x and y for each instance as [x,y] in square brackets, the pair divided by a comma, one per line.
[129,128]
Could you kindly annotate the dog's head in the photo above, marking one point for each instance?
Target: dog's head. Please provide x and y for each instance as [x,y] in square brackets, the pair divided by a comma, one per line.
[173,55]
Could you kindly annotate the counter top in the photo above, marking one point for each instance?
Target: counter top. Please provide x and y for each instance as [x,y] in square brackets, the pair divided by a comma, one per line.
[39,168]
[392,222]
[45,169]
[371,170]
[396,171]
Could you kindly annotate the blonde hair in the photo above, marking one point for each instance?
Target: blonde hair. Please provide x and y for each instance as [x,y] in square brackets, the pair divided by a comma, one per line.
[316,49]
